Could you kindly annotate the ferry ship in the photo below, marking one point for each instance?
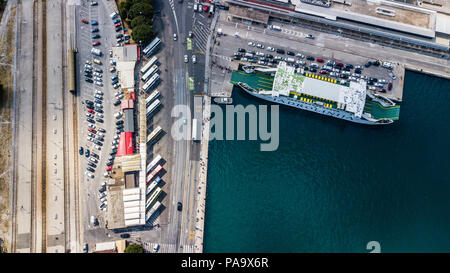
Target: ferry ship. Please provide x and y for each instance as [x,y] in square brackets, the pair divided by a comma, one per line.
[349,101]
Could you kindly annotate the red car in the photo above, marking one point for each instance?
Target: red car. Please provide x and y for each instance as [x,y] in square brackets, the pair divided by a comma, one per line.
[389,86]
[323,72]
[92,130]
[339,64]
[109,168]
[118,24]
[206,8]
[320,60]
[96,43]
[91,111]
[84,21]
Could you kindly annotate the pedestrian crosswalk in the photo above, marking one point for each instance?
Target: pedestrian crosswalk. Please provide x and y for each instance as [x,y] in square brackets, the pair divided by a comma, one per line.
[201,34]
[167,248]
[293,32]
[163,248]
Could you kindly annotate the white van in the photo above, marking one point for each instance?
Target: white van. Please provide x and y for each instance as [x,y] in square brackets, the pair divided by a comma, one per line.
[274,27]
[118,115]
[195,7]
[113,15]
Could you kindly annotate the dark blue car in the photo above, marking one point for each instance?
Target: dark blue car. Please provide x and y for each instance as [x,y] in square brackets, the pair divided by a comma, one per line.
[80,150]
[87,153]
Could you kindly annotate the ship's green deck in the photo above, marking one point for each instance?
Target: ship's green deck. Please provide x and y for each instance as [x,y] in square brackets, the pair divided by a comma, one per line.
[262,81]
[378,111]
[255,80]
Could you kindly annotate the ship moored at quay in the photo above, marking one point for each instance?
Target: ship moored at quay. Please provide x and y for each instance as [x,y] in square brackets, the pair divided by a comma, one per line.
[349,101]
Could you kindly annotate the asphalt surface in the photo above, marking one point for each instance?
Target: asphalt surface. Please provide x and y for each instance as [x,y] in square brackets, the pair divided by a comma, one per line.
[88,195]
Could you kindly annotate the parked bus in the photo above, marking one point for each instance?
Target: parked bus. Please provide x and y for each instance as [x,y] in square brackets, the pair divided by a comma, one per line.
[154,134]
[153,96]
[152,107]
[152,210]
[153,198]
[152,164]
[150,73]
[151,83]
[152,185]
[151,48]
[149,64]
[153,173]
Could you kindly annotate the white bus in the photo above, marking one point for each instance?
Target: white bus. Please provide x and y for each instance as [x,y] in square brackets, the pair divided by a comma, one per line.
[153,198]
[152,107]
[152,164]
[154,134]
[152,96]
[153,80]
[152,210]
[150,73]
[152,185]
[153,173]
[149,64]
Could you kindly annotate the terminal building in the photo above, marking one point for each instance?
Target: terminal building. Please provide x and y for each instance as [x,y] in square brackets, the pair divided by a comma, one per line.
[387,19]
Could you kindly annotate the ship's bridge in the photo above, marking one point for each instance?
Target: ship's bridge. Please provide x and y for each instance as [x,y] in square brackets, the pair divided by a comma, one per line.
[350,98]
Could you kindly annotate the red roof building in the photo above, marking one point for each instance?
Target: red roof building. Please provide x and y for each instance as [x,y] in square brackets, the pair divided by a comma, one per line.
[125,144]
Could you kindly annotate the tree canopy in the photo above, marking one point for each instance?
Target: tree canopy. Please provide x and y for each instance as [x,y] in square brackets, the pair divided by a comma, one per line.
[134,248]
[140,8]
[142,33]
[140,20]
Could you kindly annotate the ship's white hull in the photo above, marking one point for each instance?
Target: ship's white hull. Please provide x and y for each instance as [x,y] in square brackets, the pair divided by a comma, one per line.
[337,113]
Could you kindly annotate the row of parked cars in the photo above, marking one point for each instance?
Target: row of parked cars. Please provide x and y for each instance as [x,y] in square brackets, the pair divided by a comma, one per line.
[331,68]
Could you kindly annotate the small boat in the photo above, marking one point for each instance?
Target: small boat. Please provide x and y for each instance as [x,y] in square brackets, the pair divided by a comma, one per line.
[223,100]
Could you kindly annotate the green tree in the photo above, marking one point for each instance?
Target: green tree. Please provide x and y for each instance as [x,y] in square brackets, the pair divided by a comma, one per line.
[143,33]
[139,20]
[141,8]
[134,248]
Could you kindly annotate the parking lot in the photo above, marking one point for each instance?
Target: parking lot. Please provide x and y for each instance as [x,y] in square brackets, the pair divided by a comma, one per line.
[96,111]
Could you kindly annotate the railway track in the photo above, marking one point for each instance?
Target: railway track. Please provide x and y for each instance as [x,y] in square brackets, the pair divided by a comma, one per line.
[15,133]
[65,129]
[43,162]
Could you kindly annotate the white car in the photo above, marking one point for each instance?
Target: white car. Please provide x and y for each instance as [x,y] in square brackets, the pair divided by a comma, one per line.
[116,86]
[110,53]
[93,159]
[98,92]
[89,139]
[300,56]
[116,137]
[119,97]
[98,79]
[260,46]
[98,74]
[89,115]
[270,49]
[194,59]
[156,248]
[98,105]
[175,37]
[101,134]
[88,66]
[251,44]
[101,195]
[112,69]
[97,96]
[118,93]
[92,126]
[106,174]
[186,59]
[392,75]
[98,83]
[88,174]
[99,115]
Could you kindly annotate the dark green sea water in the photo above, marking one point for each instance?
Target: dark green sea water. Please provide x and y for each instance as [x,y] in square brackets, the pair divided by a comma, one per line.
[333,186]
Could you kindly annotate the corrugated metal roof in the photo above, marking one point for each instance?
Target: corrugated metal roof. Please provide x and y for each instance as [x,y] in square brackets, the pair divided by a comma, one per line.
[129,120]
